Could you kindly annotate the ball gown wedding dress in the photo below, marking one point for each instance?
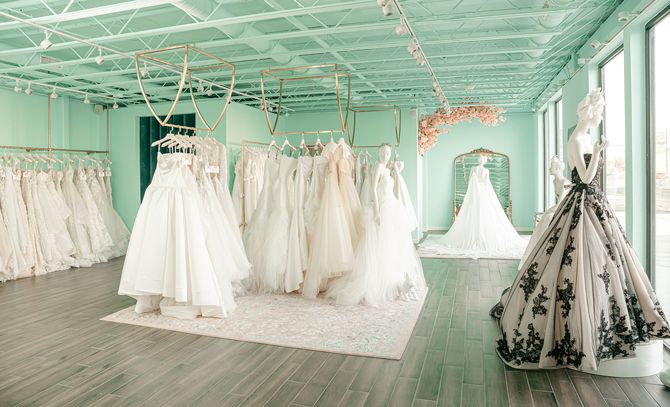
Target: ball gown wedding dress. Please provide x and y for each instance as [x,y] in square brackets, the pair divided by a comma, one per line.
[582,295]
[481,228]
[177,259]
[386,266]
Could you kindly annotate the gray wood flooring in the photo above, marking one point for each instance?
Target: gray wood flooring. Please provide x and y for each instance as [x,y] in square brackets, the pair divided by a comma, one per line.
[55,351]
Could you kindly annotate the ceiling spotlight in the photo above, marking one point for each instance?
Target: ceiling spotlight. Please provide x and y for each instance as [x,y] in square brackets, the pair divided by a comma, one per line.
[286,114]
[87,101]
[145,70]
[99,59]
[595,44]
[29,89]
[201,87]
[420,60]
[626,16]
[583,61]
[46,43]
[383,3]
[210,92]
[115,105]
[53,94]
[17,88]
[401,29]
[387,9]
[412,47]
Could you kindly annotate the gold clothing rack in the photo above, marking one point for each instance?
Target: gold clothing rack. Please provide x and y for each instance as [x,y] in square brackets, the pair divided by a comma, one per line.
[397,121]
[49,149]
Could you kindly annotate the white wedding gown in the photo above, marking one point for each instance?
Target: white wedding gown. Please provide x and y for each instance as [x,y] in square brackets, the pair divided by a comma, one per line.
[481,228]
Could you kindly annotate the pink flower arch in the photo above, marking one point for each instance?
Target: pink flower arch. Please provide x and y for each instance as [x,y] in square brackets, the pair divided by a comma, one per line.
[430,126]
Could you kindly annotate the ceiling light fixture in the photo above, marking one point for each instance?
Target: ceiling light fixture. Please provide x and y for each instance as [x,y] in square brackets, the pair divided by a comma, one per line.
[201,87]
[99,59]
[387,10]
[595,44]
[115,105]
[87,101]
[210,91]
[53,94]
[401,29]
[17,88]
[145,70]
[626,16]
[46,43]
[29,89]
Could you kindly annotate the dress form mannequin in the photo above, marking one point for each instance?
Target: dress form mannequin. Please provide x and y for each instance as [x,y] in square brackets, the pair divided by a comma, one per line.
[382,164]
[582,299]
[556,170]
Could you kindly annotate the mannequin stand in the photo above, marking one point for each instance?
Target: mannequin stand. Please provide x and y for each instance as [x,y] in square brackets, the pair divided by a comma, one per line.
[648,360]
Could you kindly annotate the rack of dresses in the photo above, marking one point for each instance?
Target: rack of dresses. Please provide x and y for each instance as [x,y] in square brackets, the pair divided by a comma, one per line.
[186,255]
[56,212]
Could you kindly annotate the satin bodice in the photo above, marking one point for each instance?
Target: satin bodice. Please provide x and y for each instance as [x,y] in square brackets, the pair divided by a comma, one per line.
[385,187]
[595,183]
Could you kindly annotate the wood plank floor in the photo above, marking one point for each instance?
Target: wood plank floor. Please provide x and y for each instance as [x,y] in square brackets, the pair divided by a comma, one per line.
[55,351]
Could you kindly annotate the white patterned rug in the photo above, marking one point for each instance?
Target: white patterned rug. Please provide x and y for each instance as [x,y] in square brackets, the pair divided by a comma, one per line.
[296,322]
[430,248]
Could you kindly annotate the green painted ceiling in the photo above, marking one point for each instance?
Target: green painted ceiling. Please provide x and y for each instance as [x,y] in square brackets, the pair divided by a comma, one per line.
[504,52]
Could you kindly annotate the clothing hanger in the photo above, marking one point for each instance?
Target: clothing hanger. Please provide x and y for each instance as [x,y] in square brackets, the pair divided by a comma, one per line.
[287,144]
[331,136]
[318,145]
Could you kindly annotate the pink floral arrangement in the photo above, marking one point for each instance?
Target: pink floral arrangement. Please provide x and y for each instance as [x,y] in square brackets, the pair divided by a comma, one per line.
[429,125]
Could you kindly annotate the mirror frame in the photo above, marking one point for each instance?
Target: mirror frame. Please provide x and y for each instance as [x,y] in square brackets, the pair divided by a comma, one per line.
[482,151]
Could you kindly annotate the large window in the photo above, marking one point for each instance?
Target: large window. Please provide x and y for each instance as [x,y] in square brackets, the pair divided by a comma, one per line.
[545,154]
[559,128]
[614,129]
[658,37]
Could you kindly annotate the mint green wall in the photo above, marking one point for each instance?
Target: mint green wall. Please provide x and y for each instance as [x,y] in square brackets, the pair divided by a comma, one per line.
[371,129]
[240,123]
[516,137]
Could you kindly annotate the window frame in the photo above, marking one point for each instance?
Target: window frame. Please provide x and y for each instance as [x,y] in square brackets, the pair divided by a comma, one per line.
[650,148]
[545,156]
[601,83]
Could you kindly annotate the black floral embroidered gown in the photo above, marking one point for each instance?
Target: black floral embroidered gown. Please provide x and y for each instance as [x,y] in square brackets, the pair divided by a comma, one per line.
[582,295]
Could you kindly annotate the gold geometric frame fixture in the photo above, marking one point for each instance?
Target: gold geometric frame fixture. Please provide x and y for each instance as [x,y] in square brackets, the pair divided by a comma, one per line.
[397,120]
[185,71]
[284,75]
[503,191]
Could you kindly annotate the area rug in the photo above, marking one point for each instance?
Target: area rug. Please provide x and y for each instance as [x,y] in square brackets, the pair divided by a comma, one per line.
[429,249]
[296,322]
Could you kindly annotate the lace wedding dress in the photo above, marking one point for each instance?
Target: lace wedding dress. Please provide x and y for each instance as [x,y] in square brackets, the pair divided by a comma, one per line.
[582,295]
[481,228]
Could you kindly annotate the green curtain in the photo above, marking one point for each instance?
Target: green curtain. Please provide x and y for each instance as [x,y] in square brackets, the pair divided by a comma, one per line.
[150,131]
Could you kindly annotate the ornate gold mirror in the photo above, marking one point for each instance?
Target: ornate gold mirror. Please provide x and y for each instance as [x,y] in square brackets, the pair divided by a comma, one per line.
[499,174]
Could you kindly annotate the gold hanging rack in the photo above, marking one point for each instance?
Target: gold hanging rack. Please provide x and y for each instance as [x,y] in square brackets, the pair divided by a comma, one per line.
[186,72]
[49,149]
[283,75]
[397,121]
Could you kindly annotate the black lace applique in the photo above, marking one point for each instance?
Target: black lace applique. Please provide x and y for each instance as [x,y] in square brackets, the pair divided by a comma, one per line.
[524,350]
[553,240]
[497,311]
[541,298]
[639,331]
[610,252]
[565,352]
[576,216]
[605,276]
[528,282]
[608,347]
[567,252]
[566,296]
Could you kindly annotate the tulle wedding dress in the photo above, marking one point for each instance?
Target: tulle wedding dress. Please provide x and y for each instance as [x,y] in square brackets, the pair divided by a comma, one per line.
[481,228]
[386,266]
